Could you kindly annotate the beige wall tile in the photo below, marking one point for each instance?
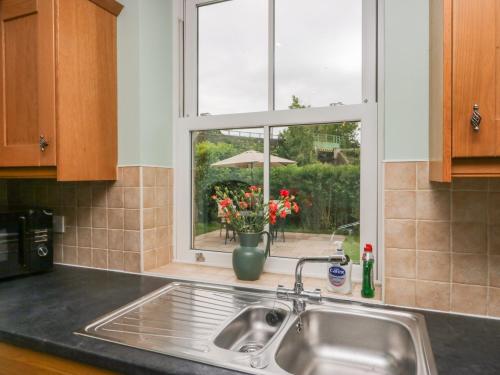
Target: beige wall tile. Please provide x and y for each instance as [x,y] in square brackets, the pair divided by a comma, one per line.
[99,192]
[84,217]
[132,197]
[470,184]
[148,176]
[400,292]
[494,239]
[99,217]
[131,176]
[148,218]
[494,184]
[58,253]
[469,269]
[115,239]
[100,238]
[132,241]
[400,204]
[469,238]
[100,258]
[469,206]
[161,217]
[433,266]
[70,216]
[433,295]
[468,299]
[400,263]
[494,270]
[115,197]
[149,197]
[132,262]
[85,256]
[149,260]
[69,236]
[149,238]
[116,260]
[162,237]
[163,255]
[132,220]
[84,195]
[116,218]
[494,208]
[400,176]
[423,182]
[433,205]
[162,176]
[494,302]
[68,195]
[70,255]
[433,235]
[400,234]
[162,196]
[84,237]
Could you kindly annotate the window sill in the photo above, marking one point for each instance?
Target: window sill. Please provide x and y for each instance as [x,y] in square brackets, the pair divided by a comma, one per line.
[268,281]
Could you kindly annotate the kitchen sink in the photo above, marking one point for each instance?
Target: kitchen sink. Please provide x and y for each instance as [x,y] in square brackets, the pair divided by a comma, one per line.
[341,343]
[252,331]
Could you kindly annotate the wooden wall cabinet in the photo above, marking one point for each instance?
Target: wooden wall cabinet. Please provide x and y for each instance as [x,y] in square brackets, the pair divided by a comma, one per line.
[464,83]
[58,89]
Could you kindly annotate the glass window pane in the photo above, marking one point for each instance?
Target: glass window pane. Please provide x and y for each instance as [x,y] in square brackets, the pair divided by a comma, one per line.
[318,52]
[230,159]
[325,181]
[232,57]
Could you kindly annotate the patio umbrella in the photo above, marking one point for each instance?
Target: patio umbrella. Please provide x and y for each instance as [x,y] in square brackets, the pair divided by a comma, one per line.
[250,159]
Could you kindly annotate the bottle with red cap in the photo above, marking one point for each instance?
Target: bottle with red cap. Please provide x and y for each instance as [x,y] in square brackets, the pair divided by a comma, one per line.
[368,289]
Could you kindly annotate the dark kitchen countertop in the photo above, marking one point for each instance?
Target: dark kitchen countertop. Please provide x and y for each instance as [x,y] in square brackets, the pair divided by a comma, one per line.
[41,312]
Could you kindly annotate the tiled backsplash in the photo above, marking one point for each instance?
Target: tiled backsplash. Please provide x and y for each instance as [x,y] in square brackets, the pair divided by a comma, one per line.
[110,225]
[442,241]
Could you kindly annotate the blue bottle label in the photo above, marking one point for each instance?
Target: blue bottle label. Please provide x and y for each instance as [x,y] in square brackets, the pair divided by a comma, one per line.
[337,275]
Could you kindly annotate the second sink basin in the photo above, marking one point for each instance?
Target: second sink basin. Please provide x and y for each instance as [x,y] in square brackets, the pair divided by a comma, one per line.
[251,330]
[340,343]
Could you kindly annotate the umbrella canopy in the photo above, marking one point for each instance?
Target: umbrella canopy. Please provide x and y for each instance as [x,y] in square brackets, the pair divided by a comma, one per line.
[251,159]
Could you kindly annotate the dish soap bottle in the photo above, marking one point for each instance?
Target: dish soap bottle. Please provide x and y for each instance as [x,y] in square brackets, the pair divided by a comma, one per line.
[368,289]
[339,274]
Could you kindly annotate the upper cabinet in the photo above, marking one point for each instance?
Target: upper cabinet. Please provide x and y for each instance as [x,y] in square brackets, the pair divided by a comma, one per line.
[58,89]
[464,89]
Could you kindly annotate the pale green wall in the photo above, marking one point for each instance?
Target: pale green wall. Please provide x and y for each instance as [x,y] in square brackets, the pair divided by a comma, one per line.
[145,83]
[406,79]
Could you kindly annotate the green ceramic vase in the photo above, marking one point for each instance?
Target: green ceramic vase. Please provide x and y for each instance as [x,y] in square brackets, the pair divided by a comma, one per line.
[248,259]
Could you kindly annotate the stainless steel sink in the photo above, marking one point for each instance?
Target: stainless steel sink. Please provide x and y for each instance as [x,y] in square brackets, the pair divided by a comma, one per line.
[251,331]
[341,343]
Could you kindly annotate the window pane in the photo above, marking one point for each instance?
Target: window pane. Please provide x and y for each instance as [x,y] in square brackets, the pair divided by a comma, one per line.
[232,57]
[325,181]
[222,158]
[318,52]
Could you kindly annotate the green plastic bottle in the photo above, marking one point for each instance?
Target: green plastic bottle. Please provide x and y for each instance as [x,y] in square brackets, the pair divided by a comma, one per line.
[368,289]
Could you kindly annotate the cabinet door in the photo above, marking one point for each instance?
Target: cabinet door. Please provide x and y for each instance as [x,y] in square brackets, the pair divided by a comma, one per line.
[475,40]
[27,82]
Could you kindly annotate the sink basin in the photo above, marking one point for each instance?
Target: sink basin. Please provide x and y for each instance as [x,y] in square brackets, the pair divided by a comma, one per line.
[340,343]
[251,330]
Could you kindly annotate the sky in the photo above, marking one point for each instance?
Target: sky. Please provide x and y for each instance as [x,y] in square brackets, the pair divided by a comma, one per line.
[318,54]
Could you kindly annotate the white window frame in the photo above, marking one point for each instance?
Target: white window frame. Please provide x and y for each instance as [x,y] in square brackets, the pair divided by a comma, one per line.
[186,120]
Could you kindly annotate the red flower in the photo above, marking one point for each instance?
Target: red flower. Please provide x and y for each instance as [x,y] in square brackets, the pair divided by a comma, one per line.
[283,214]
[253,188]
[248,195]
[295,208]
[284,193]
[243,205]
[225,202]
[214,196]
[273,207]
[287,204]
[272,219]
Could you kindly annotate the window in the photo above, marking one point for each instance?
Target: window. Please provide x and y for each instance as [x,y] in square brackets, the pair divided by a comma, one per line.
[289,86]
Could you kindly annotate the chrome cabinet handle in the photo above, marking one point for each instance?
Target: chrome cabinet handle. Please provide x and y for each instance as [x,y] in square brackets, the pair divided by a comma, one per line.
[476,118]
[43,143]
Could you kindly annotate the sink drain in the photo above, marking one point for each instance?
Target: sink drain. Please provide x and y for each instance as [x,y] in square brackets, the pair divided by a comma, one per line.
[251,347]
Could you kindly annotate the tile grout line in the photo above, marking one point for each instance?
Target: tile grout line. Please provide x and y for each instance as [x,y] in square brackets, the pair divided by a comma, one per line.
[141,218]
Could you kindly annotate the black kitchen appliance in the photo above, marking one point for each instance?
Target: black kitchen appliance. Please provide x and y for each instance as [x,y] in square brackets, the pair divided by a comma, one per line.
[26,241]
